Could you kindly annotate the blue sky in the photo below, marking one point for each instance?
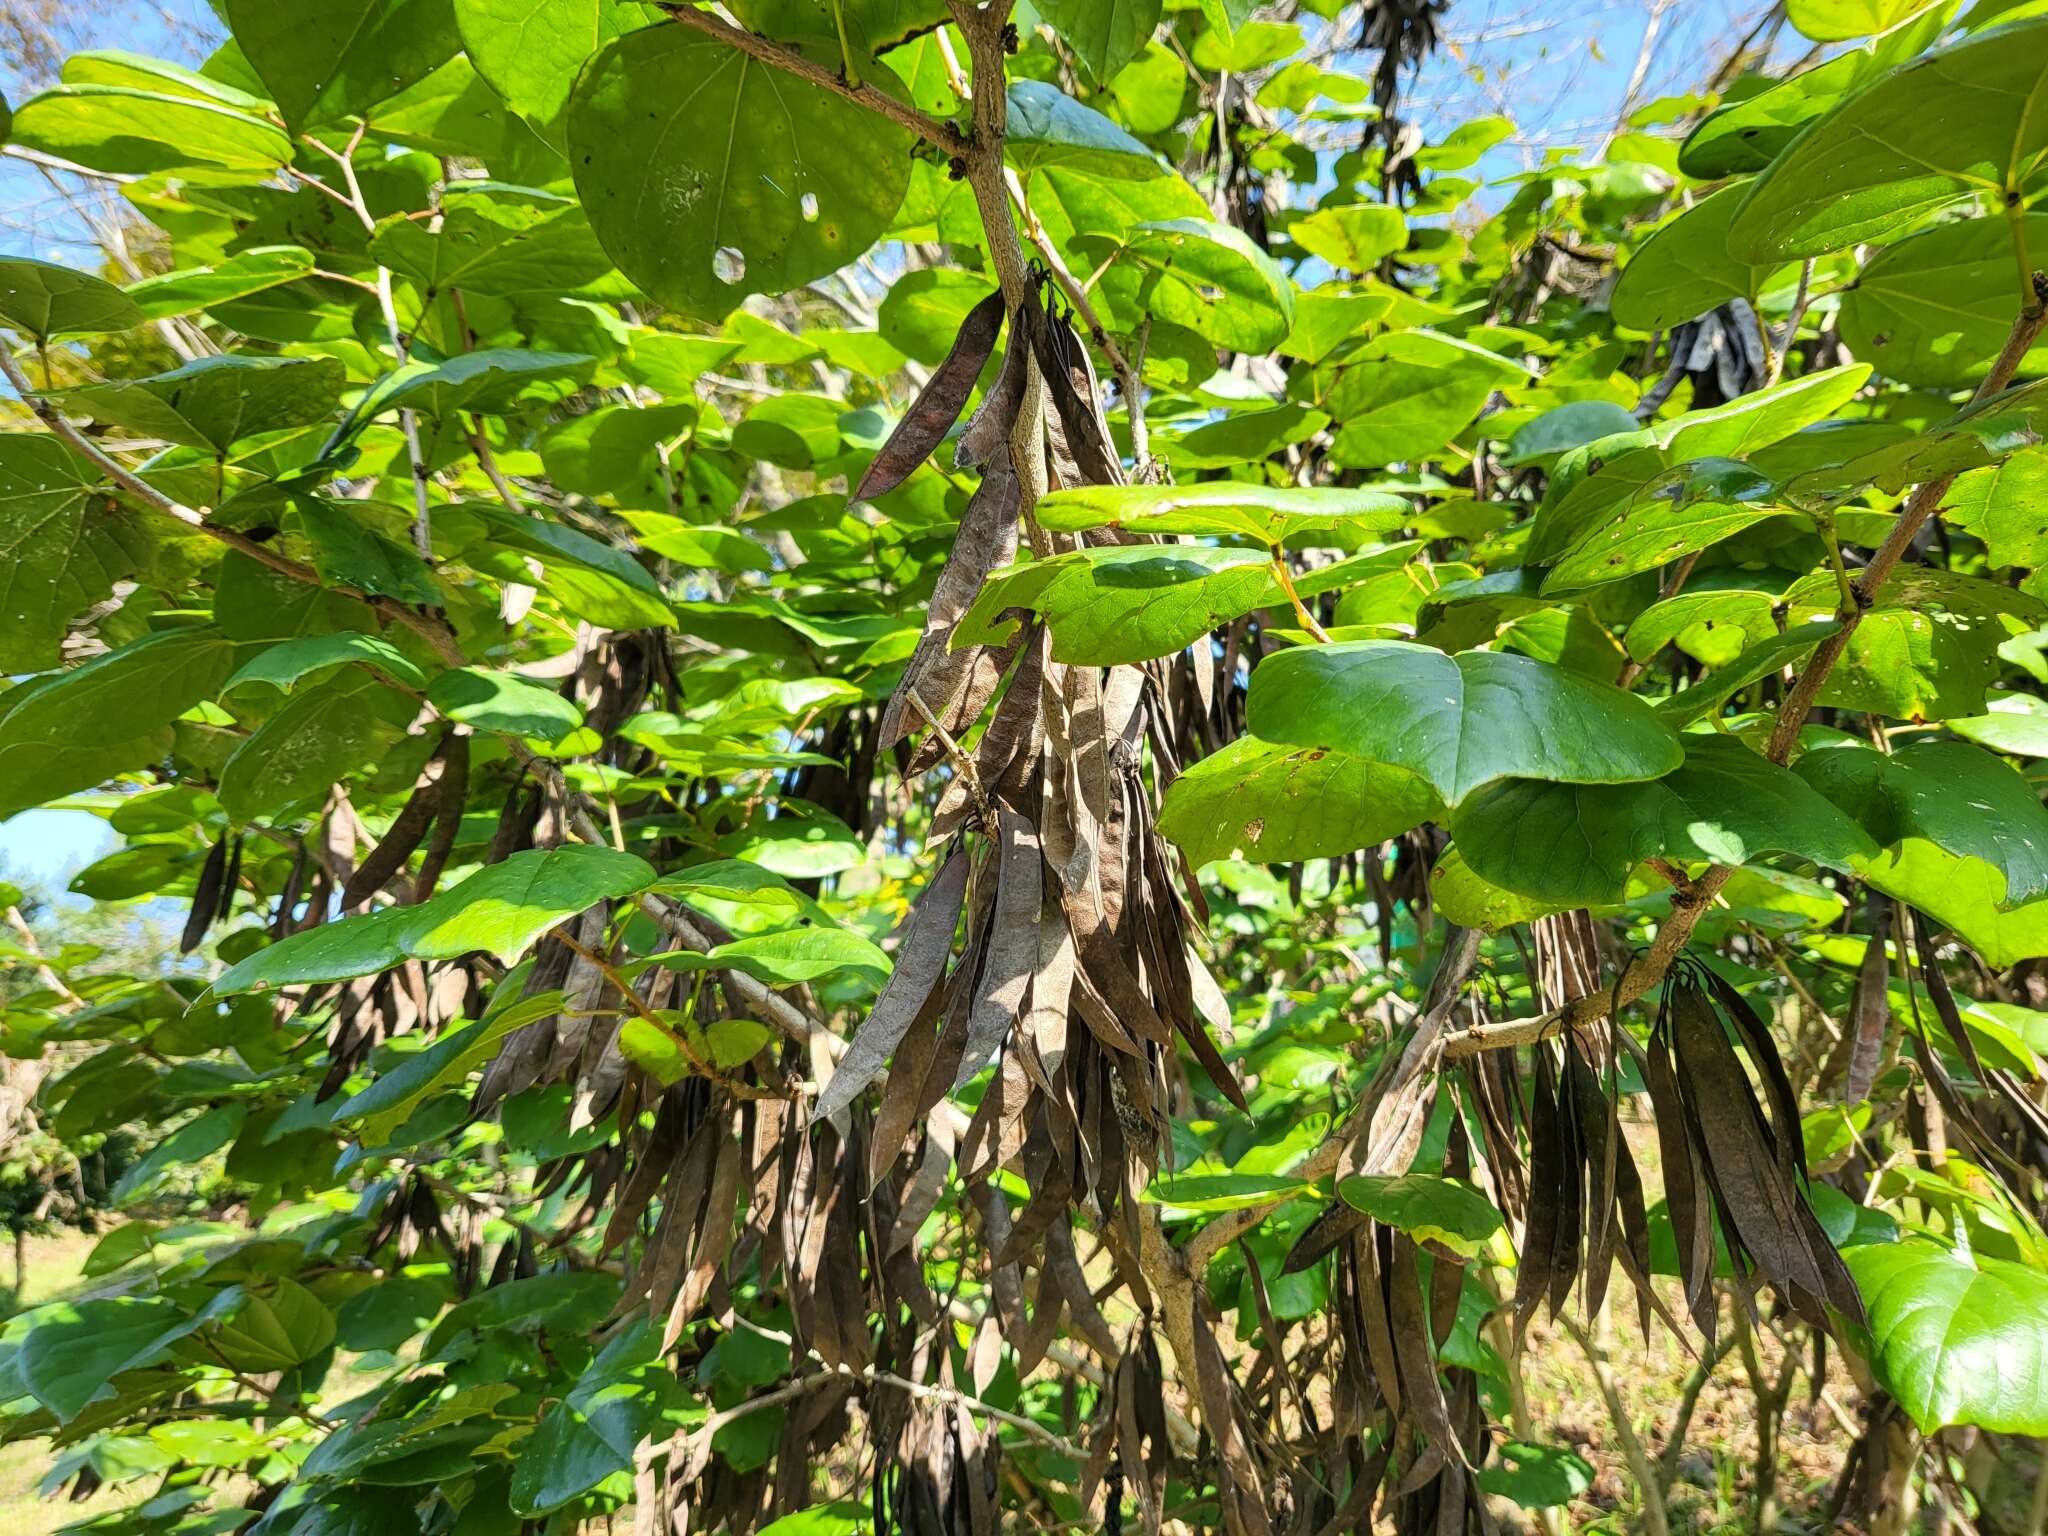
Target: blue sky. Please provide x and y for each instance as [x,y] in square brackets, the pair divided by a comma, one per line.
[1560,68]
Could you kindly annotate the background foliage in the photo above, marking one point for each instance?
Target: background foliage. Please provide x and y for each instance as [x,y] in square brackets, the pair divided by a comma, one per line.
[942,767]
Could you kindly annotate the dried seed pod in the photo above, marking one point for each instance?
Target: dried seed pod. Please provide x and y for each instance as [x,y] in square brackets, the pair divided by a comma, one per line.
[206,897]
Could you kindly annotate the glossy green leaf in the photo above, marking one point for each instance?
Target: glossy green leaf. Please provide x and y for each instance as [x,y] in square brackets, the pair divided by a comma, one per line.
[503,702]
[64,543]
[2002,504]
[74,1349]
[1952,123]
[1281,805]
[591,1434]
[740,180]
[70,730]
[1957,796]
[193,289]
[2016,723]
[529,50]
[493,243]
[1957,1338]
[1132,602]
[501,909]
[214,402]
[1105,34]
[1215,280]
[493,381]
[594,580]
[1048,128]
[41,299]
[1427,1207]
[1935,308]
[343,57]
[125,131]
[1410,392]
[1576,844]
[1225,509]
[1835,21]
[321,734]
[1685,269]
[1352,237]
[1458,722]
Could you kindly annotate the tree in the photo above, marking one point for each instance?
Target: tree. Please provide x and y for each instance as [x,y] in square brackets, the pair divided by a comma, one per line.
[912,807]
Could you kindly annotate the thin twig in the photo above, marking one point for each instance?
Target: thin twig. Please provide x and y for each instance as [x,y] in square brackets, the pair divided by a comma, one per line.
[428,629]
[944,135]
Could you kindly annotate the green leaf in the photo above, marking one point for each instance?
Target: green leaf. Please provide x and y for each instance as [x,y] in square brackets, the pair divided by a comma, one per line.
[1537,1476]
[1225,509]
[613,450]
[923,310]
[1684,269]
[501,909]
[1132,602]
[1428,1208]
[1281,805]
[1952,1335]
[347,552]
[190,1143]
[591,1434]
[528,51]
[1049,128]
[441,1067]
[129,132]
[1576,844]
[1837,21]
[1458,722]
[1649,531]
[1590,482]
[2016,723]
[213,403]
[68,731]
[192,289]
[2001,504]
[492,382]
[1761,659]
[1956,796]
[504,702]
[43,299]
[1565,427]
[279,1325]
[343,57]
[1202,1194]
[1713,627]
[787,958]
[1215,280]
[1410,392]
[738,179]
[1935,308]
[280,666]
[129,872]
[74,1349]
[1352,237]
[64,543]
[840,1519]
[1104,34]
[594,580]
[1952,123]
[498,242]
[1325,319]
[320,735]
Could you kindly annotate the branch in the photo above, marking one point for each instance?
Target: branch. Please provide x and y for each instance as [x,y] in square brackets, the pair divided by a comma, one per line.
[434,633]
[1688,902]
[1799,703]
[943,135]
